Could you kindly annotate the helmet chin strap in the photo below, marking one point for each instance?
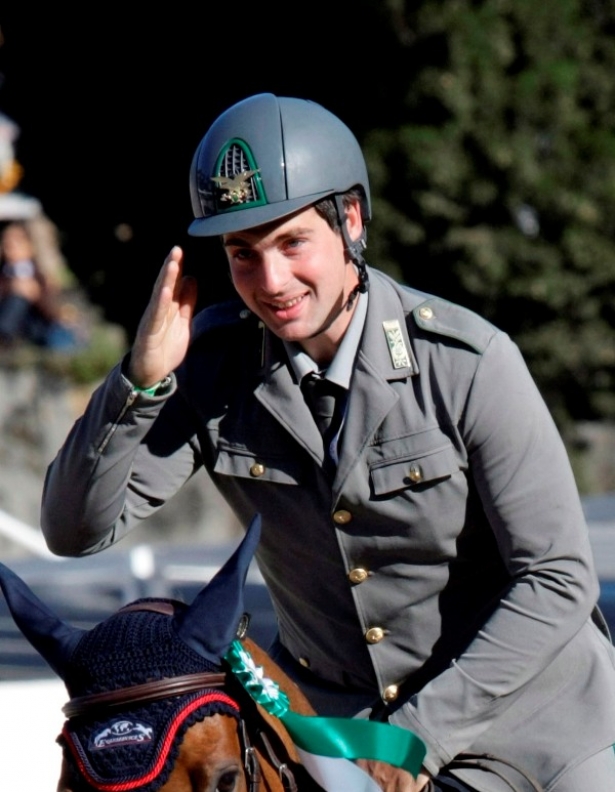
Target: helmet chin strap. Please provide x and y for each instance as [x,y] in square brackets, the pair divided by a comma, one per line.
[354,248]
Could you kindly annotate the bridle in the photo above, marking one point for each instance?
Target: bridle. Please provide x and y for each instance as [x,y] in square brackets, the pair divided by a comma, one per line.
[191,683]
[159,689]
[142,694]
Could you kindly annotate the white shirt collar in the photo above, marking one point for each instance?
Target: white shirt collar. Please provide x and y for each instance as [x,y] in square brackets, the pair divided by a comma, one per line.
[340,368]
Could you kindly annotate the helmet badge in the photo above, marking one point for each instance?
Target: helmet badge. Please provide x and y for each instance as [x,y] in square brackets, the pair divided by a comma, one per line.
[238,184]
[236,189]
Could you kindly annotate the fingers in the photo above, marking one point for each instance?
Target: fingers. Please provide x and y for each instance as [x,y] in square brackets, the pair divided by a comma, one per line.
[168,281]
[393,779]
[166,289]
[163,333]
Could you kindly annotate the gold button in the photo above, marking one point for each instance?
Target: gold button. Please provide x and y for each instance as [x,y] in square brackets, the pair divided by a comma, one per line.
[390,693]
[358,575]
[304,662]
[415,473]
[426,312]
[342,516]
[257,469]
[374,635]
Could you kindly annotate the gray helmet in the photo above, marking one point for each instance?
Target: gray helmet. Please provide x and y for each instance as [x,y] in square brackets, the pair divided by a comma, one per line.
[267,157]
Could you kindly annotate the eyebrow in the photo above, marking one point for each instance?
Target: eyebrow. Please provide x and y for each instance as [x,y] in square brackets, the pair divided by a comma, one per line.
[239,241]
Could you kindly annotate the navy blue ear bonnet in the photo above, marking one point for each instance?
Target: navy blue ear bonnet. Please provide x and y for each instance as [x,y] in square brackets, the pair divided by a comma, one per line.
[131,648]
[133,746]
[136,747]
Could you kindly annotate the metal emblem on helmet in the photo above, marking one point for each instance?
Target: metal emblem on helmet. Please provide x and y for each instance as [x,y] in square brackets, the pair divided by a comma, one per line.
[237,189]
[237,181]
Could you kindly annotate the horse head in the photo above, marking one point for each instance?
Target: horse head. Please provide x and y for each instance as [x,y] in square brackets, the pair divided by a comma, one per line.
[152,705]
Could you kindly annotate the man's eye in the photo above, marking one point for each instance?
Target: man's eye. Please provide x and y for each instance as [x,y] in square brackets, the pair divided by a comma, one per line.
[294,243]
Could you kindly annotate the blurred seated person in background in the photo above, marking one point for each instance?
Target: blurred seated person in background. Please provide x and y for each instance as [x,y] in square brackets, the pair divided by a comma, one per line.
[29,302]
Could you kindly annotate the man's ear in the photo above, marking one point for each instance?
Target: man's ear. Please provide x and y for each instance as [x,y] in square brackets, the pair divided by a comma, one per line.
[354,221]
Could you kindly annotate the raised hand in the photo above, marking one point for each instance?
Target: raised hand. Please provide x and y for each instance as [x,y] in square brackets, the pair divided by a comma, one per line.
[163,333]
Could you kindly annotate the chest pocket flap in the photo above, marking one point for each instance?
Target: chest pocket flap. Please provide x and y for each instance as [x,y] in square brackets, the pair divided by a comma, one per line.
[241,463]
[399,468]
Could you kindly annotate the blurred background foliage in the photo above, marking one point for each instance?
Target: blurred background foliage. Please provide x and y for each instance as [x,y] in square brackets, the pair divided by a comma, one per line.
[488,129]
[495,184]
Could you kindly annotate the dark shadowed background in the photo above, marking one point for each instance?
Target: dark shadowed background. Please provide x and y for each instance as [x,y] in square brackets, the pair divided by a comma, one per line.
[112,104]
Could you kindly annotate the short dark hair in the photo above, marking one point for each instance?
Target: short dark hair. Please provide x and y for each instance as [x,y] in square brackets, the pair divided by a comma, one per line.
[327,210]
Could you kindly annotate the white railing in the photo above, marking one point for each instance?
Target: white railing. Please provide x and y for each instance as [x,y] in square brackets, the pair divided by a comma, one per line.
[25,536]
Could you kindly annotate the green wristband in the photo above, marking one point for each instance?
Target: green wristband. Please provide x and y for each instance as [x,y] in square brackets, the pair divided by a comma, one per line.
[151,391]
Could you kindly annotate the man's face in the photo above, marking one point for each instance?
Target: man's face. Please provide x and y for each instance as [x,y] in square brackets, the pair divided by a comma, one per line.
[293,275]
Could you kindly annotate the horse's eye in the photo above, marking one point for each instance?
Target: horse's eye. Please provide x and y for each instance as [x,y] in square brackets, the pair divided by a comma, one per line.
[227,781]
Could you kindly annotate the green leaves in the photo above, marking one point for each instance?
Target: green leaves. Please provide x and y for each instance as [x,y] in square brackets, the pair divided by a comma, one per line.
[494,179]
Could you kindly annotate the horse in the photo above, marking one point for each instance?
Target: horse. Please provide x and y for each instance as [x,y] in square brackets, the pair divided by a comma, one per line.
[153,704]
[170,697]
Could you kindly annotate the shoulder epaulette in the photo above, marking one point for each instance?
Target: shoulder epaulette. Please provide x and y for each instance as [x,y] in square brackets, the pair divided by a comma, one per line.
[436,315]
[219,316]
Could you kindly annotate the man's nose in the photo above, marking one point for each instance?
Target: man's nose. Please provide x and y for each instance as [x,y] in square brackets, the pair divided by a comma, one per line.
[274,273]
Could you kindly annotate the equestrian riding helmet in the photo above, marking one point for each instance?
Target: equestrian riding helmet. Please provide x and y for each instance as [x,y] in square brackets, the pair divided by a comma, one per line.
[267,157]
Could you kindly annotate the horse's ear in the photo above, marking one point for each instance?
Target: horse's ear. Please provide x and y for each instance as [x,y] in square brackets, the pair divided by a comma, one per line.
[52,638]
[210,624]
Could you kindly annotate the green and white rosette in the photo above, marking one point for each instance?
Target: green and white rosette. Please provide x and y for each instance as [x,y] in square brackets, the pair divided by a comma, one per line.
[328,746]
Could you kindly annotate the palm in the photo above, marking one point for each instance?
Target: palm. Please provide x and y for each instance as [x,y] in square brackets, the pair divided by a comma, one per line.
[163,334]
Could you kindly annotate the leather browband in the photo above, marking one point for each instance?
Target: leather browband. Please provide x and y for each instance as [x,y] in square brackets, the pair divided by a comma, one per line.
[138,694]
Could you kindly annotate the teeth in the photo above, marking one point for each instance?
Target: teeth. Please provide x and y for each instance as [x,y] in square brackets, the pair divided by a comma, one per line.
[288,303]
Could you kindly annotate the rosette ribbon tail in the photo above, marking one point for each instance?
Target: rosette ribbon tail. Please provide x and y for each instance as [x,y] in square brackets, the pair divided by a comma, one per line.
[329,746]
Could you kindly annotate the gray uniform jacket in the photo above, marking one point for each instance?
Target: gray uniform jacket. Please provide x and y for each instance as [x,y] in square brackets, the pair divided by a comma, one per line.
[446,568]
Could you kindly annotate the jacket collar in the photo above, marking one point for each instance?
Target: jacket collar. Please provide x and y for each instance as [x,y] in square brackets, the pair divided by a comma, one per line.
[385,354]
[386,343]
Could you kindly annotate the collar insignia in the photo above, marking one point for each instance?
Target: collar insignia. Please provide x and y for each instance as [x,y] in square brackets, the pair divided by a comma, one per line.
[397,346]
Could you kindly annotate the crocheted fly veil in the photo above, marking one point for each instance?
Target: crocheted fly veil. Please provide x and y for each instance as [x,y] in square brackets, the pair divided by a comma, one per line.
[134,746]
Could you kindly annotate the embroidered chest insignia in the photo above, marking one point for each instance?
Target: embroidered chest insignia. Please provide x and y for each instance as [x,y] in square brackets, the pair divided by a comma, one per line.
[397,346]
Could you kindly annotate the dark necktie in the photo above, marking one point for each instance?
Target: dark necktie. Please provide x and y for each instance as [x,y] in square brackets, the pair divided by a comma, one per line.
[320,395]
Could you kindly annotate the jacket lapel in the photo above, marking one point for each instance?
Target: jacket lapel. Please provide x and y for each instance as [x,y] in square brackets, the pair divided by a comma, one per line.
[385,355]
[281,396]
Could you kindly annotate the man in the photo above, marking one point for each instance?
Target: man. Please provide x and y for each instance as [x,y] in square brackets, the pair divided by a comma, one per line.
[426,553]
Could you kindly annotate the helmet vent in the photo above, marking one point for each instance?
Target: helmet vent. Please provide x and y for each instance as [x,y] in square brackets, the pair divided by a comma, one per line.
[237,181]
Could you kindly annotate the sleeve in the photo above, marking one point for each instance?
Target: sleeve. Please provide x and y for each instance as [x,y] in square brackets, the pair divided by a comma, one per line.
[528,492]
[123,459]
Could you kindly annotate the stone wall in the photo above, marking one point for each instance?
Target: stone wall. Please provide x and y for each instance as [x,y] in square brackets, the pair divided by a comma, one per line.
[37,410]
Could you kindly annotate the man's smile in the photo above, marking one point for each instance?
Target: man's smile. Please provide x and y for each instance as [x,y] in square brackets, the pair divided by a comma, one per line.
[284,304]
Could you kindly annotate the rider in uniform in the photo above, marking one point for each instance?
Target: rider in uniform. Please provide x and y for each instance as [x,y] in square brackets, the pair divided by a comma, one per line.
[426,553]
